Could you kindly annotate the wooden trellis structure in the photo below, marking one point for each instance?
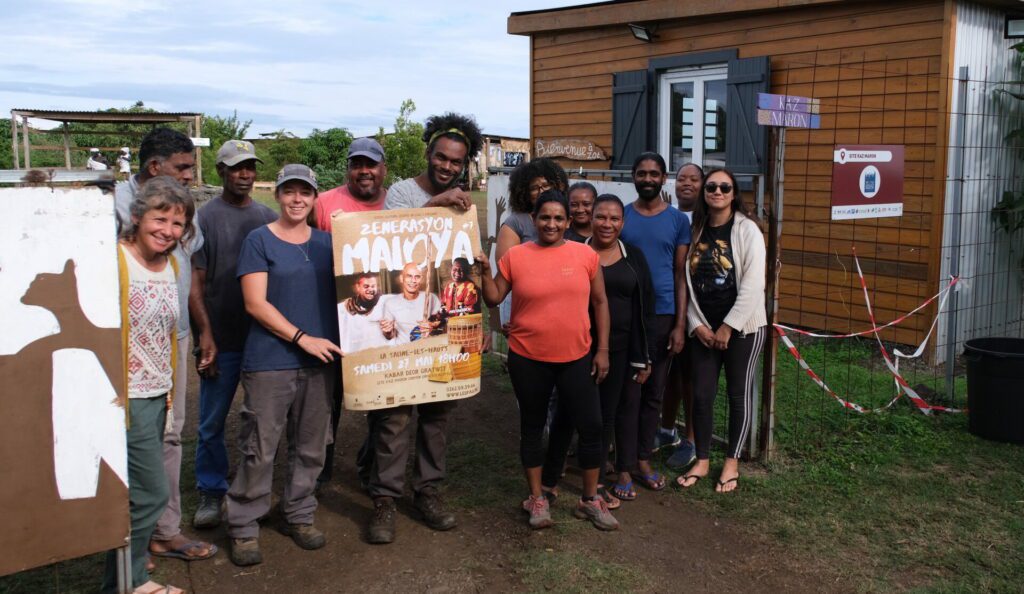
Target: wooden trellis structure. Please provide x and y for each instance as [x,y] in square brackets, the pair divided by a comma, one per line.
[22,147]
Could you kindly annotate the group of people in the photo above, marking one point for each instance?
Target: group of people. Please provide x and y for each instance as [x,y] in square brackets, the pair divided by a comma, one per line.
[618,312]
[256,288]
[97,161]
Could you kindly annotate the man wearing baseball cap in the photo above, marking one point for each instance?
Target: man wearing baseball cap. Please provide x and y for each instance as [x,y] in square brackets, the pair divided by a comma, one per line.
[363,191]
[218,312]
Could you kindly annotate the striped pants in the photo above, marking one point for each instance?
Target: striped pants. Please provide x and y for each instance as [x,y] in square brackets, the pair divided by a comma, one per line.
[740,362]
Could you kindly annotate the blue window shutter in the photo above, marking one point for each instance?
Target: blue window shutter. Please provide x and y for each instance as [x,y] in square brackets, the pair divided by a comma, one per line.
[746,143]
[630,97]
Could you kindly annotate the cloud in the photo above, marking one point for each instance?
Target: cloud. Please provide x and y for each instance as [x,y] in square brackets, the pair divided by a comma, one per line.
[301,65]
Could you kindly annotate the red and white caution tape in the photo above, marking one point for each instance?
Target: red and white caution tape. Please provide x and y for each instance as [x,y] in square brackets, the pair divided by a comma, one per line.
[901,384]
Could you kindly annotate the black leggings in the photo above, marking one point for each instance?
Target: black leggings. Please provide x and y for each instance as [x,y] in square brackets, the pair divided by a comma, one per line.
[562,427]
[740,361]
[532,382]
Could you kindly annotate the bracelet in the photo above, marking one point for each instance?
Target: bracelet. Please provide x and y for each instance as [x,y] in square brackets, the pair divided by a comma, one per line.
[298,334]
[602,348]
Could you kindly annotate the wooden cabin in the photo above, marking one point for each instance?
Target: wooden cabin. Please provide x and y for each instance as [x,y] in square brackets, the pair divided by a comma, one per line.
[885,73]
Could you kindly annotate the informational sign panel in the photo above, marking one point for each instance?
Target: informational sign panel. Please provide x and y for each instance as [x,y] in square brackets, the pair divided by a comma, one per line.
[410,305]
[867,181]
[576,149]
[63,456]
[788,111]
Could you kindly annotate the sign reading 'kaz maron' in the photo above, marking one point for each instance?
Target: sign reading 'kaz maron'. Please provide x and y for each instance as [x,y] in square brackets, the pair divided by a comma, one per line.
[788,111]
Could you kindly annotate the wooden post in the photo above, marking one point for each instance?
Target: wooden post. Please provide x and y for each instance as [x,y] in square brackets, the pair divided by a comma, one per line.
[199,152]
[25,141]
[770,361]
[67,147]
[14,141]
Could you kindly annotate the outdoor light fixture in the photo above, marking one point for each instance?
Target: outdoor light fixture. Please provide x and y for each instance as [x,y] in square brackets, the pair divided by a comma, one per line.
[641,32]
[1014,27]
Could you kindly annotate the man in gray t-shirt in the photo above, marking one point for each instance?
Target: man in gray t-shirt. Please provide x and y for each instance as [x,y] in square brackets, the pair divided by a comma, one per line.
[452,140]
[218,312]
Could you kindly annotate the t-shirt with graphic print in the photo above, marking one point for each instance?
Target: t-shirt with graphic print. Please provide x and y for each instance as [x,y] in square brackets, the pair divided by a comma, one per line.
[712,270]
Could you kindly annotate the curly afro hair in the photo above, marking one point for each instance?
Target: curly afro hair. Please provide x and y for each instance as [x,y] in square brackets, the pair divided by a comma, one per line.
[519,181]
[435,127]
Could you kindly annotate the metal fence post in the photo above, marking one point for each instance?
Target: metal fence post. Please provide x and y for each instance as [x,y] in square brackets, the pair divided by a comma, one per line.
[954,222]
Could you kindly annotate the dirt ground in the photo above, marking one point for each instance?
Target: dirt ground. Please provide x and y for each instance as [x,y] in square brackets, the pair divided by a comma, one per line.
[665,544]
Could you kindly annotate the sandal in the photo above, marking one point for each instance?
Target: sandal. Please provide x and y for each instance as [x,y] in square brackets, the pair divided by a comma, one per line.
[152,587]
[624,492]
[653,481]
[610,500]
[722,484]
[682,479]
[190,551]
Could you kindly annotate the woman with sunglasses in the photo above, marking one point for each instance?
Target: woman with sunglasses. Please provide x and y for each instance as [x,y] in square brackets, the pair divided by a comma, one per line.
[553,284]
[525,184]
[726,276]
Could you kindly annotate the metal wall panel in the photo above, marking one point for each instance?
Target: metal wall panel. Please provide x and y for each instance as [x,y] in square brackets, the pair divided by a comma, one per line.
[990,301]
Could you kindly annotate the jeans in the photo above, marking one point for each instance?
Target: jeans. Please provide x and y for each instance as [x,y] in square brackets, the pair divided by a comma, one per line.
[215,396]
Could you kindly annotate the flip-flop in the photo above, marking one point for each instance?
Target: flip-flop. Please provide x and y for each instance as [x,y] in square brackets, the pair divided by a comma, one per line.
[609,499]
[682,479]
[722,484]
[654,481]
[624,492]
[182,552]
[152,587]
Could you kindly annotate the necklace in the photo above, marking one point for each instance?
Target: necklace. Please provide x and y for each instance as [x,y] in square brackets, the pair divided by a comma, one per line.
[305,252]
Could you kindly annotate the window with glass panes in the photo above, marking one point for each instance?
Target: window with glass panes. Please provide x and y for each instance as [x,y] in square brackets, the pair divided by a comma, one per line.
[691,108]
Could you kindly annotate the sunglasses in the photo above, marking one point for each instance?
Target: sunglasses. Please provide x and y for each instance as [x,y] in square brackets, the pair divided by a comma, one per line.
[710,187]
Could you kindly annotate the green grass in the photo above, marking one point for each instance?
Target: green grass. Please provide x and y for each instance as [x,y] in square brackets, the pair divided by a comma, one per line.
[481,475]
[576,571]
[893,501]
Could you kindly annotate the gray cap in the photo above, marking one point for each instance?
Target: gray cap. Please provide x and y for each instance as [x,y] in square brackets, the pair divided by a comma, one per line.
[233,152]
[366,147]
[296,171]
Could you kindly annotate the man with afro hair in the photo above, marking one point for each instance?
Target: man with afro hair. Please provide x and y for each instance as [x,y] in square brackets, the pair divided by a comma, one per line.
[452,140]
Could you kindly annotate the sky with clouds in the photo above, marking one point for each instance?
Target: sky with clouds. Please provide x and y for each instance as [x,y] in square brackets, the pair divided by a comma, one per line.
[293,65]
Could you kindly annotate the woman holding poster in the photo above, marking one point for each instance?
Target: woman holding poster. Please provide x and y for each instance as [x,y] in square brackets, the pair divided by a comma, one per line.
[553,283]
[286,269]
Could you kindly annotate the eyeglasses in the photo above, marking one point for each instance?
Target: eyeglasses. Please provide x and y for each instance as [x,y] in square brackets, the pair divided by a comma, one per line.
[537,189]
[710,187]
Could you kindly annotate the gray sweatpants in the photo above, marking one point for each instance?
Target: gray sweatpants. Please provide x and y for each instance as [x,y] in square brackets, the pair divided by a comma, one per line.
[295,400]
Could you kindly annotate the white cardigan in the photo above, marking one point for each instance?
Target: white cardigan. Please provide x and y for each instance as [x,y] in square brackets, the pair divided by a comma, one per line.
[748,313]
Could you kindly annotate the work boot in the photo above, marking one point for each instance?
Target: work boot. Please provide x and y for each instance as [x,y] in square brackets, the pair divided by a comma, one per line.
[429,503]
[306,536]
[382,524]
[245,551]
[208,512]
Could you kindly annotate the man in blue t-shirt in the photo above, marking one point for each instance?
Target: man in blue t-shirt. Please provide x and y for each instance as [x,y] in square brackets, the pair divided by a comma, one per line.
[663,234]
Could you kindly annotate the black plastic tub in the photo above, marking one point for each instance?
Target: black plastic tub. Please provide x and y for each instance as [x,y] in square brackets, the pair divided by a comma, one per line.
[995,388]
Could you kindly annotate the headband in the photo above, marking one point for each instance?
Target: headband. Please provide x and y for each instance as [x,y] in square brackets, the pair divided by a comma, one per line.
[455,131]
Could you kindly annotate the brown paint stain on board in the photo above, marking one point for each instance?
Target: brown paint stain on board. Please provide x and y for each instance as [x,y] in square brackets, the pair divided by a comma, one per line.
[36,526]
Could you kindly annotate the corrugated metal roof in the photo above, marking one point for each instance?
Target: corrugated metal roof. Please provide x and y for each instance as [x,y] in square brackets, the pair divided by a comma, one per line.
[63,115]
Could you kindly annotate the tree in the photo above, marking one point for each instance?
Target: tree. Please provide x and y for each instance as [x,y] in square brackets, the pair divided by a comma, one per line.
[277,149]
[6,156]
[326,152]
[220,130]
[404,148]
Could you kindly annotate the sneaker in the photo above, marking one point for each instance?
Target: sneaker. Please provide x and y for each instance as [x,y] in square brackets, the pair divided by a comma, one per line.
[306,536]
[429,503]
[382,524]
[597,512]
[664,439]
[208,512]
[245,551]
[683,457]
[539,510]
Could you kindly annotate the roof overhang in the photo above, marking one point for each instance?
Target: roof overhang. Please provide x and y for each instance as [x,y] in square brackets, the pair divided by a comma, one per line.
[621,12]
